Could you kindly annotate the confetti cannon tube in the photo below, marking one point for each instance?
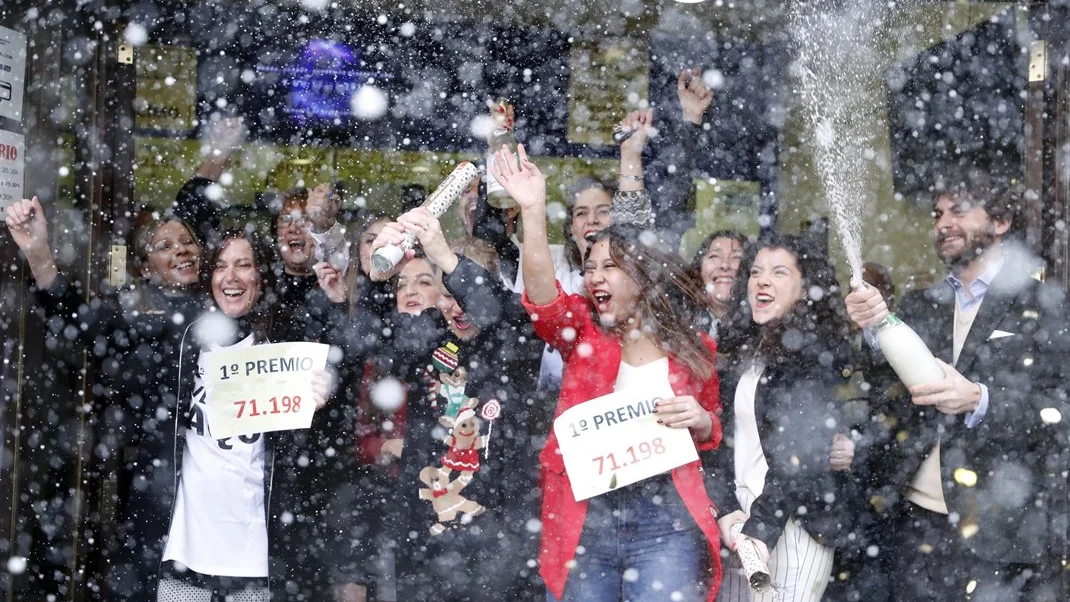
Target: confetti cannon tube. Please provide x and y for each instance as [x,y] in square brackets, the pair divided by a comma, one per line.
[385,258]
[757,572]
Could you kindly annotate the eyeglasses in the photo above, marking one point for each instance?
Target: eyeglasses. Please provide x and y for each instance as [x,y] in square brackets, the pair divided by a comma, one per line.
[298,219]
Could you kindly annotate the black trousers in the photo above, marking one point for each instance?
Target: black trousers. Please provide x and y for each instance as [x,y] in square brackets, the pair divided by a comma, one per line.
[932,563]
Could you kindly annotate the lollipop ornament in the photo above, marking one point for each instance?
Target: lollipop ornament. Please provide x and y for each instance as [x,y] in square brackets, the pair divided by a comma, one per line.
[491,410]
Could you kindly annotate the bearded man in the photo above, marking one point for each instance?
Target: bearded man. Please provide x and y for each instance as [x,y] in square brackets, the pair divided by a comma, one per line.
[972,468]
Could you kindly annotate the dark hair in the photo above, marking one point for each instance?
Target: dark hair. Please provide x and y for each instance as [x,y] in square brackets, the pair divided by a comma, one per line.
[579,186]
[262,314]
[672,294]
[700,254]
[354,276]
[1000,197]
[297,196]
[818,319]
[358,233]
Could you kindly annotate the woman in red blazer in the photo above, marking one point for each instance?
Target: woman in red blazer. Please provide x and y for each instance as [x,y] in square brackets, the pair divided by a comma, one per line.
[656,539]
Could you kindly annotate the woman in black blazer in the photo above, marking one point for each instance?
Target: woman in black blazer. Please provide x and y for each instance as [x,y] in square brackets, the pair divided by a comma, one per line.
[788,341]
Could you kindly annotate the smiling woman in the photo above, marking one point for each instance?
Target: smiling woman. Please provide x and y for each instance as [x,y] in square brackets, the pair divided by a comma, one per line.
[235,281]
[786,336]
[224,531]
[238,273]
[635,334]
[168,254]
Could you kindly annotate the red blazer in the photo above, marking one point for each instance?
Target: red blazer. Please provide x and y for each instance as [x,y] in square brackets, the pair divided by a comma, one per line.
[592,360]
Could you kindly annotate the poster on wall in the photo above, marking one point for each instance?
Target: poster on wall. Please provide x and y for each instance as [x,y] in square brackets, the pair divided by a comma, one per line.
[723,205]
[607,79]
[12,165]
[166,97]
[12,73]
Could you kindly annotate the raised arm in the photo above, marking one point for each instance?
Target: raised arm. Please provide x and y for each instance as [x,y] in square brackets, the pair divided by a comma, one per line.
[640,126]
[26,221]
[322,208]
[672,168]
[527,186]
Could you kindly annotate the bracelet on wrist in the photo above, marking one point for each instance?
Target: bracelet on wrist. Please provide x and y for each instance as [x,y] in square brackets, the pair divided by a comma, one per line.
[638,178]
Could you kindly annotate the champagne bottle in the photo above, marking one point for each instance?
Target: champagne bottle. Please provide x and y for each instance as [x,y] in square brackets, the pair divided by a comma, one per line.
[503,133]
[906,352]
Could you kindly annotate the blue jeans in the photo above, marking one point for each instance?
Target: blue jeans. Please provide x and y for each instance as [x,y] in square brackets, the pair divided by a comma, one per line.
[639,544]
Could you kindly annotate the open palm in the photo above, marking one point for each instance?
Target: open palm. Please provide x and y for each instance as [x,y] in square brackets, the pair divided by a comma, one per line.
[524,182]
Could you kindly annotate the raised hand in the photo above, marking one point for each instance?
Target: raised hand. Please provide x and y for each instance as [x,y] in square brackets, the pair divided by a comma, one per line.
[29,228]
[427,229]
[322,207]
[865,306]
[392,233]
[331,280]
[224,135]
[641,124]
[525,184]
[694,96]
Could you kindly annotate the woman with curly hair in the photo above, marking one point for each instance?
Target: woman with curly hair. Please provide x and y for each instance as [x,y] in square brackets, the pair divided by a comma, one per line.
[782,483]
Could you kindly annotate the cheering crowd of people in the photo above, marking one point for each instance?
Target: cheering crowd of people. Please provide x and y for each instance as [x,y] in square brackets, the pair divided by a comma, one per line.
[434,468]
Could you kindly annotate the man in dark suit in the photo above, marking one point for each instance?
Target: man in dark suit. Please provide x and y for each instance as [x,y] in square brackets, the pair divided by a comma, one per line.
[972,467]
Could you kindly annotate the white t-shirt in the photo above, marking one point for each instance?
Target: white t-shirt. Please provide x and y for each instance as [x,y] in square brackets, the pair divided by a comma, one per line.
[749,459]
[219,526]
[652,376]
[571,280]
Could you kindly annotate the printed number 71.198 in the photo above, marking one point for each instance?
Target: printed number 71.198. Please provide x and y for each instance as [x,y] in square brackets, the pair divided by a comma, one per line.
[645,450]
[289,405]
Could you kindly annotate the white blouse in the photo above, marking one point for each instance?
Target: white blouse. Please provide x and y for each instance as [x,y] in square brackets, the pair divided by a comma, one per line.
[750,464]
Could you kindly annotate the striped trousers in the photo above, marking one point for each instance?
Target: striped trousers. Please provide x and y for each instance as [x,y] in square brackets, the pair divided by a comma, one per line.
[800,566]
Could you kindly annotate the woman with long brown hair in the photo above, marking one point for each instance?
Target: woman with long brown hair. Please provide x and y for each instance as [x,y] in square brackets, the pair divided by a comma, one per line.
[635,333]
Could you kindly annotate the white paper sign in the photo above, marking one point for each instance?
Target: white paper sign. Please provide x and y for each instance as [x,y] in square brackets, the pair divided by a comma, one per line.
[615,440]
[12,166]
[12,73]
[262,388]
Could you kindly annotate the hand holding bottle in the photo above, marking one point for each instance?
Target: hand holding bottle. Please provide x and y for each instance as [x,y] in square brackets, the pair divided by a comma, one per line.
[428,231]
[640,125]
[952,395]
[393,234]
[865,306]
[904,350]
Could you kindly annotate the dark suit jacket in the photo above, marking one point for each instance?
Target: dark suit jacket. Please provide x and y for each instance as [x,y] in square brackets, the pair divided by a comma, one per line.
[1003,480]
